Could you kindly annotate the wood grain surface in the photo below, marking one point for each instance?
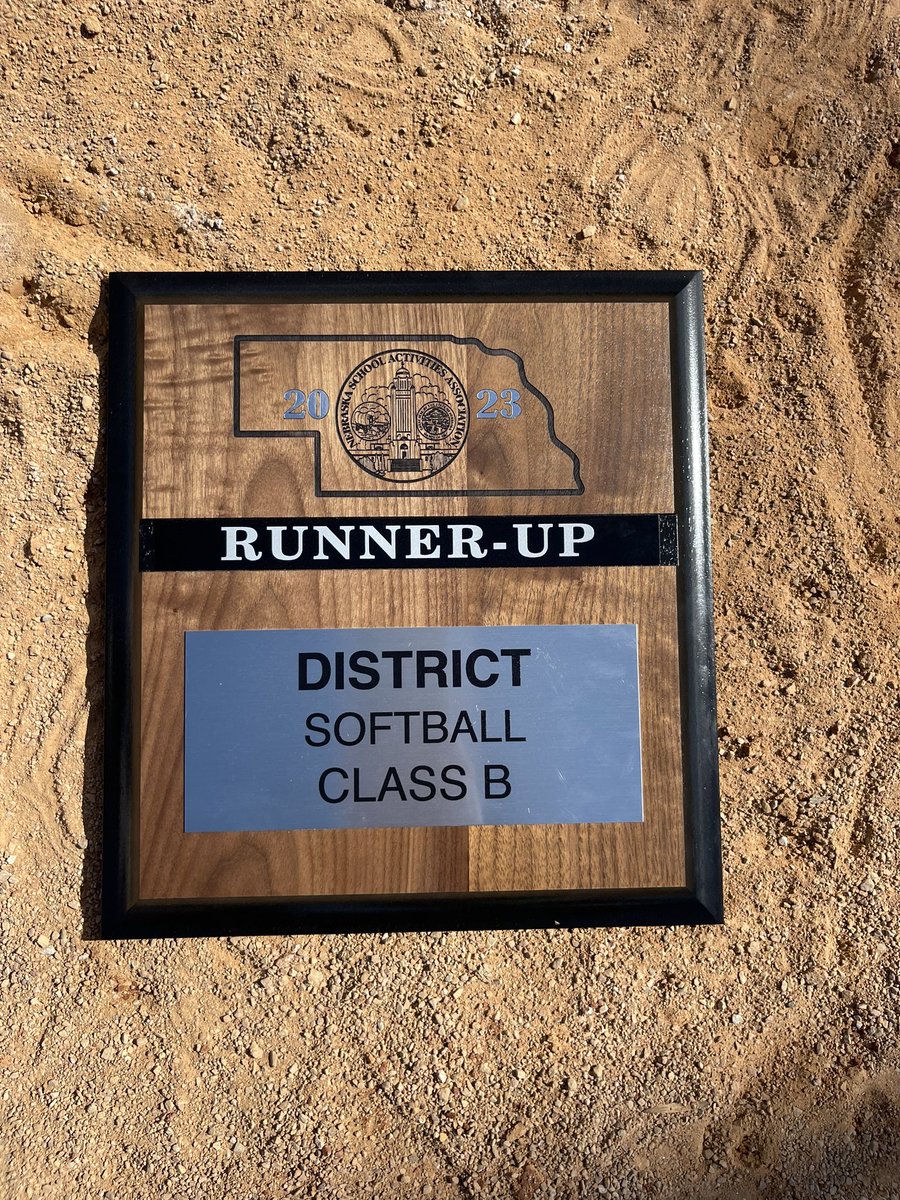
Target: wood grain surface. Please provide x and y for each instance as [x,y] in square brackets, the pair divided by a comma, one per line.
[604,369]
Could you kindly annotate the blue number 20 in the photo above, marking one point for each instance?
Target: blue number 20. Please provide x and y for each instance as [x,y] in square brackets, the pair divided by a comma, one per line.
[316,404]
[509,408]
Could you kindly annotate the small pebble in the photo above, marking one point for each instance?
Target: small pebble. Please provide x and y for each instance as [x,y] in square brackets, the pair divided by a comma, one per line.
[516,119]
[516,1132]
[588,231]
[461,204]
[90,27]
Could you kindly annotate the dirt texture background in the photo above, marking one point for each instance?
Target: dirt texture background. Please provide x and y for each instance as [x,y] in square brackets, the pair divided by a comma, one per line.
[757,141]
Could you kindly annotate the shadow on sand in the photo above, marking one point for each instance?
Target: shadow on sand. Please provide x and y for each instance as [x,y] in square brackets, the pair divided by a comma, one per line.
[94,546]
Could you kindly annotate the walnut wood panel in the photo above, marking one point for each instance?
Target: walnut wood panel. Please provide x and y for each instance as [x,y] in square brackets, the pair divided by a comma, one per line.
[360,862]
[604,368]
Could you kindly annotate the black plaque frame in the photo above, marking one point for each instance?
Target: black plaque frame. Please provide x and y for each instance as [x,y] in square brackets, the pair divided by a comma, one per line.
[121,916]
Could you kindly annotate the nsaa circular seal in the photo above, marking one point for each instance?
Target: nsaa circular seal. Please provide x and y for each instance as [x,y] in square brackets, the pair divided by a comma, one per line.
[402,415]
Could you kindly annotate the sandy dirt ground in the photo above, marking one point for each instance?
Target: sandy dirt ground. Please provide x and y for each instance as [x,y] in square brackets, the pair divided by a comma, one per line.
[757,141]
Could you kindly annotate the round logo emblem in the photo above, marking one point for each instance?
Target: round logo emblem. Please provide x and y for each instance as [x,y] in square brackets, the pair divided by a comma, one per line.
[402,415]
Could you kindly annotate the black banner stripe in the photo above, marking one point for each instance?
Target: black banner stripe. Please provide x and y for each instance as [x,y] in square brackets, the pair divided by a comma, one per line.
[378,543]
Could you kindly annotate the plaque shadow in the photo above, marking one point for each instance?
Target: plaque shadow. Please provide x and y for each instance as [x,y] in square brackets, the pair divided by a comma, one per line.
[95,652]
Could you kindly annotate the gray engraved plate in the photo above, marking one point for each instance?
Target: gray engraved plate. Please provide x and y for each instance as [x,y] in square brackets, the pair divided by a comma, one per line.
[388,728]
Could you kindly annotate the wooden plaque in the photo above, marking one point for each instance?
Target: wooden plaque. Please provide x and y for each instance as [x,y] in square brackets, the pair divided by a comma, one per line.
[409,603]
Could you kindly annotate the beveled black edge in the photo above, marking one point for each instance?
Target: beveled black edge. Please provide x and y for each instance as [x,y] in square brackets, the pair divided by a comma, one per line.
[452,911]
[310,287]
[128,292]
[700,755]
[122,458]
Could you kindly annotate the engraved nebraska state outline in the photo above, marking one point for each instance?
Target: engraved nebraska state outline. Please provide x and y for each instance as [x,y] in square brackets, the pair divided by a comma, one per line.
[398,339]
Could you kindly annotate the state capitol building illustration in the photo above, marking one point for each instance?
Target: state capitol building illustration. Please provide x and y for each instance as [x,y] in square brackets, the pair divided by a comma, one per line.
[405,449]
[414,438]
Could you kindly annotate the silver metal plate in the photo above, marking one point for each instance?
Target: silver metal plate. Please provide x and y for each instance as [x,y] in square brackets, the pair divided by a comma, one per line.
[388,728]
